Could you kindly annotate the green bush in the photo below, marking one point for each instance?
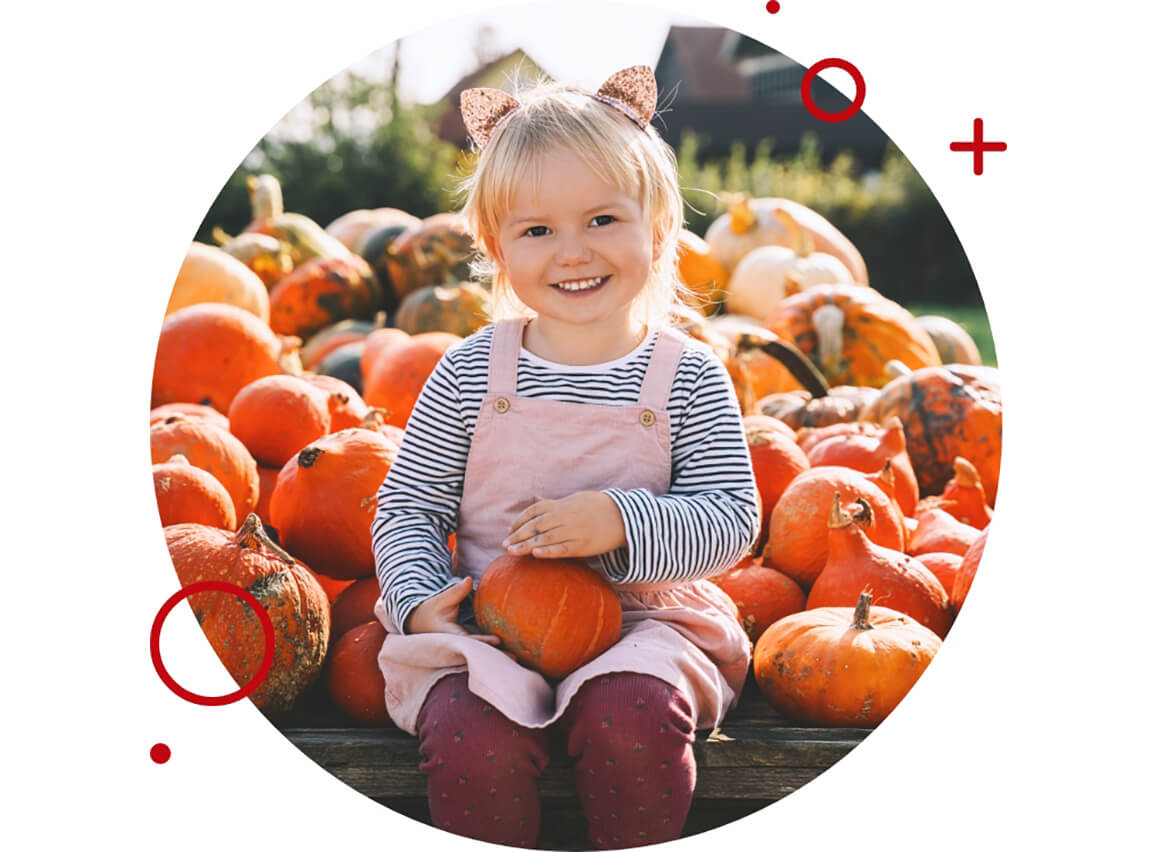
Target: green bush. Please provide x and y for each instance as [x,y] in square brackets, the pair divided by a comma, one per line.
[890,215]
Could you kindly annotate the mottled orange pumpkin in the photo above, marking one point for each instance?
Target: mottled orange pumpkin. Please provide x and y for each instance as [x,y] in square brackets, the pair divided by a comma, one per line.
[948,412]
[460,309]
[321,292]
[851,332]
[208,352]
[190,495]
[213,449]
[400,372]
[554,615]
[842,667]
[437,251]
[295,602]
[325,499]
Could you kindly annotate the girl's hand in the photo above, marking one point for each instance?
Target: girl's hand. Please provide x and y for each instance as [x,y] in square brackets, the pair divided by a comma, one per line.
[439,613]
[585,524]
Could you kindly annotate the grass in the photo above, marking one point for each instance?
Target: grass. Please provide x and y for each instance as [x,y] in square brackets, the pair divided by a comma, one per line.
[972,318]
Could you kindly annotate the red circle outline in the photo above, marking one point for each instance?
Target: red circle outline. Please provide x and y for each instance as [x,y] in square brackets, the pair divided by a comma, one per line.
[155,643]
[806,89]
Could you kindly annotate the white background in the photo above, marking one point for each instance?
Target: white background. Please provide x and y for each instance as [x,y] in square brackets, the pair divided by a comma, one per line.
[122,120]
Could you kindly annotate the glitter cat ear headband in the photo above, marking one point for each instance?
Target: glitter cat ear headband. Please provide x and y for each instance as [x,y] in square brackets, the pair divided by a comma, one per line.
[632,91]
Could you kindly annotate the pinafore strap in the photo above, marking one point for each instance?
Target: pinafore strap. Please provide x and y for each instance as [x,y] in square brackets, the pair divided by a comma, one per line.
[502,375]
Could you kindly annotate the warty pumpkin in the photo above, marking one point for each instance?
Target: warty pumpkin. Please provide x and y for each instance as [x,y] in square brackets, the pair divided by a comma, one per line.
[296,605]
[323,291]
[554,615]
[842,666]
[460,309]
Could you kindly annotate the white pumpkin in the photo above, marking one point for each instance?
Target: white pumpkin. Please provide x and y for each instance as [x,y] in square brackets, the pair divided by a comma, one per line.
[750,223]
[767,274]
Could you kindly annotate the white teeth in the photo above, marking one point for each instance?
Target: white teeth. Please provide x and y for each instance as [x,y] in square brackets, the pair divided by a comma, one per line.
[585,284]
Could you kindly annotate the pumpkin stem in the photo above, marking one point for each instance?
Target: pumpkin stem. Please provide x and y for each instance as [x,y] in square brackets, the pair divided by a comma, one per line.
[219,235]
[264,197]
[838,518]
[795,361]
[896,368]
[802,243]
[254,529]
[308,456]
[860,617]
[828,321]
[742,219]
[965,473]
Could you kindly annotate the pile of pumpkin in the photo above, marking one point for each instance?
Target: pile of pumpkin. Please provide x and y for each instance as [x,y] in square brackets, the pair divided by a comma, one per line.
[291,356]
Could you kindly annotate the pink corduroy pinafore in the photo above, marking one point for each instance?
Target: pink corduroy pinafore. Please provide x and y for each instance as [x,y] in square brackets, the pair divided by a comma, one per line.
[686,634]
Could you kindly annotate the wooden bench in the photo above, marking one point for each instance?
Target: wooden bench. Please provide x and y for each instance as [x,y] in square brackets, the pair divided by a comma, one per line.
[756,757]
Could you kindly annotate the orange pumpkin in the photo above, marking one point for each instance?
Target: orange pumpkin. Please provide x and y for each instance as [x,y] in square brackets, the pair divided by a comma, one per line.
[776,461]
[208,352]
[345,404]
[963,497]
[968,570]
[213,449]
[798,527]
[943,566]
[325,499]
[276,416]
[948,412]
[868,453]
[267,479]
[400,372]
[353,680]
[436,251]
[351,227]
[700,272]
[190,495]
[354,606]
[554,615]
[762,595]
[190,411]
[295,602]
[209,274]
[323,342]
[842,667]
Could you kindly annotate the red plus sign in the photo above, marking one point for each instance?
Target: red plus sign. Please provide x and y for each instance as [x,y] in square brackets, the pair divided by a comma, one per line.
[977,146]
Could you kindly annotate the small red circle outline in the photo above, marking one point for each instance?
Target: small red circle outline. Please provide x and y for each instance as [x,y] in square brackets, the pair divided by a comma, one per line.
[806,89]
[155,643]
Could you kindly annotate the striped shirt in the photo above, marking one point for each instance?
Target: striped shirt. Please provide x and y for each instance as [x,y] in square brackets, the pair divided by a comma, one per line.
[705,523]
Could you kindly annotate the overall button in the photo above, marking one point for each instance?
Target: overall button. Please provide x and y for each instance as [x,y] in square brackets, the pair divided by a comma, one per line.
[502,405]
[646,418]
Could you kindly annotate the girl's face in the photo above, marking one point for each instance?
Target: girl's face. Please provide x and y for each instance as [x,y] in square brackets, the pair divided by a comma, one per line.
[578,251]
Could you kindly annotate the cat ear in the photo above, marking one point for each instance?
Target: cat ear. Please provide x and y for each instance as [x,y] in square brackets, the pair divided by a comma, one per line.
[634,88]
[482,110]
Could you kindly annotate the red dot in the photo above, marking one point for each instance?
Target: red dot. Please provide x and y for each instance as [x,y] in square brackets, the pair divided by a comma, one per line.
[160,753]
[773,7]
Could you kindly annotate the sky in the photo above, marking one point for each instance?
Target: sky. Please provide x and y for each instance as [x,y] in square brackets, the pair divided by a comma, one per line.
[580,42]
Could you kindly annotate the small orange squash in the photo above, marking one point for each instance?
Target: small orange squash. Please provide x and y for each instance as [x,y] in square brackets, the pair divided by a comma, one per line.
[762,594]
[213,449]
[399,373]
[354,681]
[190,495]
[554,615]
[275,416]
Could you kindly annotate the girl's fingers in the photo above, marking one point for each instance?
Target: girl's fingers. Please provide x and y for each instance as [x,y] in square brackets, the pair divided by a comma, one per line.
[557,550]
[535,531]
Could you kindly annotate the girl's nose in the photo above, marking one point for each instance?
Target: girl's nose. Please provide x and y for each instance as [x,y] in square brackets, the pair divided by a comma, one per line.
[571,250]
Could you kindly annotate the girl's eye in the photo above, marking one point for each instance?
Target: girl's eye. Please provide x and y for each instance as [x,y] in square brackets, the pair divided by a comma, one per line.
[535,227]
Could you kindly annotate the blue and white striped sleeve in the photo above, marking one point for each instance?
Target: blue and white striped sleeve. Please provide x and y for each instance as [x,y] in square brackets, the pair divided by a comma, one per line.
[419,500]
[709,519]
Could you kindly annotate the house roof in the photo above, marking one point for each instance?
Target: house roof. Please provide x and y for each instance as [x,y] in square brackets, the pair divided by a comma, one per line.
[695,57]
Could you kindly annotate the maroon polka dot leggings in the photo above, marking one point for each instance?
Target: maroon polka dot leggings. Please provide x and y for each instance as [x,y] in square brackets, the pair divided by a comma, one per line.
[630,735]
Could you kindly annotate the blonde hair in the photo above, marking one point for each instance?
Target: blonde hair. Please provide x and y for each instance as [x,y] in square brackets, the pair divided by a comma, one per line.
[639,163]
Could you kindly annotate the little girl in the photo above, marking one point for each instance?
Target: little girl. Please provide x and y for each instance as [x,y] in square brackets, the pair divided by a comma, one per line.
[578,425]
